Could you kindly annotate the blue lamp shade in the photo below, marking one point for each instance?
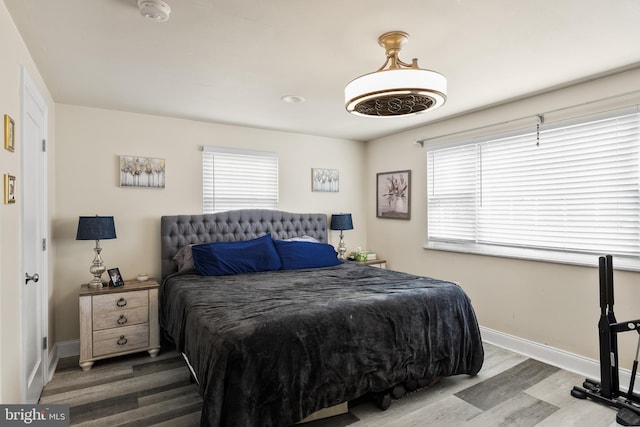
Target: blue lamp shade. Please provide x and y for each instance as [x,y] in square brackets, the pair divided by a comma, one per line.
[96,228]
[341,222]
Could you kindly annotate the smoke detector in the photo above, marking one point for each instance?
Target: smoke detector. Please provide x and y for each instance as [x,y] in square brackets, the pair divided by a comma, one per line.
[155,10]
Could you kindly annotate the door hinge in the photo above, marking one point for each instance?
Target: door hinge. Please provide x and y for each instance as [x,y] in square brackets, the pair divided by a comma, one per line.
[44,145]
[44,343]
[44,244]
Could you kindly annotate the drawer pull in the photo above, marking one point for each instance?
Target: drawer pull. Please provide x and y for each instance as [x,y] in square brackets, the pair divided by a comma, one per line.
[121,302]
[122,340]
[121,320]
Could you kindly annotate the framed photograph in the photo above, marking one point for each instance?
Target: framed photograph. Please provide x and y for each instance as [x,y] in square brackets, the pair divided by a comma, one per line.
[144,172]
[9,133]
[327,180]
[393,195]
[9,189]
[115,278]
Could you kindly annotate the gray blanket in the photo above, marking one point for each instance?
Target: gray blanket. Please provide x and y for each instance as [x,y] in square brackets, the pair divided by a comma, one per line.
[271,348]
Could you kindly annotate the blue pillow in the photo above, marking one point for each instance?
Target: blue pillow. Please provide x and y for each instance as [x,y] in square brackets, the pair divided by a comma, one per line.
[219,259]
[296,255]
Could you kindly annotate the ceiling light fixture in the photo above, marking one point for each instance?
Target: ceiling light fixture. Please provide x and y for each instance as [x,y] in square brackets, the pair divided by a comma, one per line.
[155,10]
[400,90]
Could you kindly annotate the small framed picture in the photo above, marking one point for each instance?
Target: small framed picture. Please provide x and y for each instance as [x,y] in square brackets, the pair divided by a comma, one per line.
[9,189]
[9,133]
[327,180]
[393,195]
[115,278]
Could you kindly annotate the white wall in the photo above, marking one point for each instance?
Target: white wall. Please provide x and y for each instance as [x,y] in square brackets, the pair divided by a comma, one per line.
[90,143]
[548,303]
[14,56]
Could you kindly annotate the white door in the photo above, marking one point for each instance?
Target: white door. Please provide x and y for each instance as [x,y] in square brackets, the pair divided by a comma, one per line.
[34,246]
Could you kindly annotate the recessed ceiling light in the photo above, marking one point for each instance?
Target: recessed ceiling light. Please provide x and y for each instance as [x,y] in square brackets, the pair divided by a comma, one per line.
[292,99]
[155,10]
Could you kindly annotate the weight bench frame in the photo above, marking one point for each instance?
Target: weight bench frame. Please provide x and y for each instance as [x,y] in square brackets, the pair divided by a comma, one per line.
[607,391]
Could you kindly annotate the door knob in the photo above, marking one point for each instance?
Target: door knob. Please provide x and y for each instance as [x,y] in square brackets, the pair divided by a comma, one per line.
[35,278]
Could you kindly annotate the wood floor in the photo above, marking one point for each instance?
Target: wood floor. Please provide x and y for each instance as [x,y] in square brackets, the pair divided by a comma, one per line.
[510,390]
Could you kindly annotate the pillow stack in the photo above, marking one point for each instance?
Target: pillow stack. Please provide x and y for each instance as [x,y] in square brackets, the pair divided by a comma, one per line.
[261,254]
[295,255]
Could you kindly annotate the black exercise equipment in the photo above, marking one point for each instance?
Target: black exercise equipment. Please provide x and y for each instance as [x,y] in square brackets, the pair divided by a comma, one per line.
[607,391]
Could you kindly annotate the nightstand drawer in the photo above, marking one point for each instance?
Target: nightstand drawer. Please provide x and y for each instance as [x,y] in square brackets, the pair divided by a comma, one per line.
[120,318]
[124,339]
[120,300]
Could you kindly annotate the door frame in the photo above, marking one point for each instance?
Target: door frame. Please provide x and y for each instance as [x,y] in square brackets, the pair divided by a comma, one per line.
[30,89]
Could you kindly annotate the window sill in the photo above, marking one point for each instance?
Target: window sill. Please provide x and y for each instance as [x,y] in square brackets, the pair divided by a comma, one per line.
[557,257]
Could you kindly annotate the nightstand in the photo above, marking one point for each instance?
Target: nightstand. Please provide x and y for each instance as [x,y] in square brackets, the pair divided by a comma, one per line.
[379,263]
[117,321]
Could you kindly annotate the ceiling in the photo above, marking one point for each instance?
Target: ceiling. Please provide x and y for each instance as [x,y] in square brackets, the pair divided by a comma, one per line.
[232,61]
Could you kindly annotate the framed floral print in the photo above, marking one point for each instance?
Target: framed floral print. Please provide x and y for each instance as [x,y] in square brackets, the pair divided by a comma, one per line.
[327,180]
[393,195]
[142,172]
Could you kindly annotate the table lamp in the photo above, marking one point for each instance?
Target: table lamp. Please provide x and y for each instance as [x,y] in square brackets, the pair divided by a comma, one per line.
[96,228]
[341,222]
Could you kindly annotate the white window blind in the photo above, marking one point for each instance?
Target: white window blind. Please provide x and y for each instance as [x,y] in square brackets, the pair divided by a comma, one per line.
[452,193]
[238,179]
[576,191]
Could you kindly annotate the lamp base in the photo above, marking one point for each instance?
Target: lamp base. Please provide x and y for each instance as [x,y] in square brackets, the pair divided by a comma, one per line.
[97,268]
[342,249]
[96,284]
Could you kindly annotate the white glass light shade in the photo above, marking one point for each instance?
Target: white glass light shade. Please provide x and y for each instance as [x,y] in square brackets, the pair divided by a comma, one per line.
[155,10]
[396,92]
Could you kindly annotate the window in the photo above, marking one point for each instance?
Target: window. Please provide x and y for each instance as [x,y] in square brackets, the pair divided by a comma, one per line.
[238,179]
[573,190]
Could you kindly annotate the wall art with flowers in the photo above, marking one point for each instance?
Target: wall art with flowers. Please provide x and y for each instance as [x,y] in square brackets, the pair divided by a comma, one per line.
[393,190]
[145,172]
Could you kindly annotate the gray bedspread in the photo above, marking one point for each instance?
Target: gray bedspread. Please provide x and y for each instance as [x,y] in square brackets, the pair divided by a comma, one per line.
[270,348]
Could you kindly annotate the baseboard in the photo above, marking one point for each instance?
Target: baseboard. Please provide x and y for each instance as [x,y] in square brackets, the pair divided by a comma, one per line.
[60,350]
[68,348]
[581,365]
[53,362]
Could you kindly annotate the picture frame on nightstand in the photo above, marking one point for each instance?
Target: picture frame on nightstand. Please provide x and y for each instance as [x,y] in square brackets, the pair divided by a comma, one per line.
[115,278]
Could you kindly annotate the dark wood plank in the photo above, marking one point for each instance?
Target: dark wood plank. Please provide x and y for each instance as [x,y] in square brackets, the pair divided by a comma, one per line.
[497,389]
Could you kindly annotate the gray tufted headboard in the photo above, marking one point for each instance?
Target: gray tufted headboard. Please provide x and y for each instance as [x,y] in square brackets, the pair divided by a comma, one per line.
[179,230]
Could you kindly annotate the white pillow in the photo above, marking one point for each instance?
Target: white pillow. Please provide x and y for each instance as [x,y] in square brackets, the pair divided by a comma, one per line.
[184,258]
[302,239]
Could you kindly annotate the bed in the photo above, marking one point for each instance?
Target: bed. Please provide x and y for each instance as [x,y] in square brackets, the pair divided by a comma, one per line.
[270,347]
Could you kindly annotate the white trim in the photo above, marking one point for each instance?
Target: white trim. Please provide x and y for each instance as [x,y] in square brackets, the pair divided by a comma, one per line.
[531,254]
[30,89]
[68,348]
[60,350]
[240,151]
[581,365]
[53,363]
